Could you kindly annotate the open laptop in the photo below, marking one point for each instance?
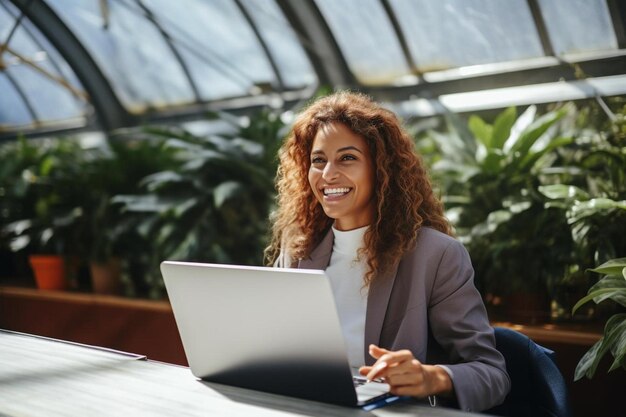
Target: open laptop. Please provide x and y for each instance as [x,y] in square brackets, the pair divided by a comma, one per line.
[267,329]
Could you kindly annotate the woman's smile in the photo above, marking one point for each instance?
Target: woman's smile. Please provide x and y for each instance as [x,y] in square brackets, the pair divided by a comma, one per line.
[335,193]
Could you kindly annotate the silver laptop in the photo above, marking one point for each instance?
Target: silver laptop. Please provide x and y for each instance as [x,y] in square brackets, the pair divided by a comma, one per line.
[268,329]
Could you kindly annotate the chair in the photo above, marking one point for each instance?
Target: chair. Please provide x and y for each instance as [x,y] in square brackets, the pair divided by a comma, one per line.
[537,386]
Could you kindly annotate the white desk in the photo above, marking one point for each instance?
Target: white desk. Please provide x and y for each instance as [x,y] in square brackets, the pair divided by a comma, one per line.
[47,377]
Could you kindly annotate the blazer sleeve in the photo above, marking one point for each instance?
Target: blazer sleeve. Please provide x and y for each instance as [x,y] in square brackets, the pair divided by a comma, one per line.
[459,323]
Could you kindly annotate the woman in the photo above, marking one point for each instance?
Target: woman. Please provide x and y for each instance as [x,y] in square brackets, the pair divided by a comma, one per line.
[355,200]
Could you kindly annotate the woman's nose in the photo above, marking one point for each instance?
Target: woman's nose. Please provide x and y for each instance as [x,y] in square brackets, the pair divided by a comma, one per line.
[329,172]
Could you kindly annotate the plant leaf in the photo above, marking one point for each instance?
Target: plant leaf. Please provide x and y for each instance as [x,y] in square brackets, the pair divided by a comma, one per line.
[481,130]
[613,282]
[144,203]
[614,330]
[185,206]
[618,349]
[598,293]
[532,157]
[585,363]
[226,191]
[562,191]
[502,127]
[157,180]
[534,131]
[593,207]
[519,126]
[493,161]
[612,267]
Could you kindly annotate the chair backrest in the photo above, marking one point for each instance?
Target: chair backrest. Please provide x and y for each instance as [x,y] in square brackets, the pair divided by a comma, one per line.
[537,386]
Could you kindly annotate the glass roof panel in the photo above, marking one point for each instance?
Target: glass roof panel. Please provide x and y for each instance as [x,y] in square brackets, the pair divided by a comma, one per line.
[50,101]
[578,25]
[225,57]
[447,34]
[366,38]
[13,111]
[293,64]
[129,50]
[35,71]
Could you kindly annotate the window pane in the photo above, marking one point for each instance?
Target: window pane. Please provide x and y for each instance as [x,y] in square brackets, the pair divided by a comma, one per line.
[13,112]
[366,39]
[39,72]
[49,99]
[129,50]
[224,55]
[287,52]
[578,25]
[447,34]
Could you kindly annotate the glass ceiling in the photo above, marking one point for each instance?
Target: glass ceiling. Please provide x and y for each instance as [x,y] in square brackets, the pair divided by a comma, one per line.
[104,64]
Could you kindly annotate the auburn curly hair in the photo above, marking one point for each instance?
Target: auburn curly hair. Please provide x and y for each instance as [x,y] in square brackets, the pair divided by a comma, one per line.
[403,192]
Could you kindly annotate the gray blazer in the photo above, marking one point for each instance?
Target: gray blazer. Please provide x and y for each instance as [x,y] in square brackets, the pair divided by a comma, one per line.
[428,304]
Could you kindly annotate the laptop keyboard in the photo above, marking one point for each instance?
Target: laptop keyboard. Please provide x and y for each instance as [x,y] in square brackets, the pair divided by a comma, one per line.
[359,380]
[369,391]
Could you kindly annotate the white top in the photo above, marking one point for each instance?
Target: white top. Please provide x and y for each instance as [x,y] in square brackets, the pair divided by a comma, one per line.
[346,275]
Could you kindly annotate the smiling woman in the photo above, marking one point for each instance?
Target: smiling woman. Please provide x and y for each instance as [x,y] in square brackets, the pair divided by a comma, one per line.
[354,199]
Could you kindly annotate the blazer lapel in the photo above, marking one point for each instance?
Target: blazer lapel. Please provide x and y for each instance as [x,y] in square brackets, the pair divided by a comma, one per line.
[320,257]
[377,303]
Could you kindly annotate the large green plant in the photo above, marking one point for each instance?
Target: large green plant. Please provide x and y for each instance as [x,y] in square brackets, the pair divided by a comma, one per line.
[590,188]
[213,206]
[42,187]
[115,167]
[489,175]
[611,287]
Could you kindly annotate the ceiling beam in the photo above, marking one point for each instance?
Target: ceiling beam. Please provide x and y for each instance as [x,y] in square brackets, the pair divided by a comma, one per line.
[318,42]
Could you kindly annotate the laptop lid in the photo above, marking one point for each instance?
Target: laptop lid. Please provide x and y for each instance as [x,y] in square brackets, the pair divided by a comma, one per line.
[268,329]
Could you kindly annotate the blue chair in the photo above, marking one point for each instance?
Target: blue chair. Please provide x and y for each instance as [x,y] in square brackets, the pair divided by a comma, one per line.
[537,386]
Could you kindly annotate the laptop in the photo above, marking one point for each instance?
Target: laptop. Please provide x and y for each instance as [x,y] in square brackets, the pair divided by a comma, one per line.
[268,329]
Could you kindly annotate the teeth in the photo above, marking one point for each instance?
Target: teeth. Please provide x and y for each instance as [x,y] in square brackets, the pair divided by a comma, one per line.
[329,191]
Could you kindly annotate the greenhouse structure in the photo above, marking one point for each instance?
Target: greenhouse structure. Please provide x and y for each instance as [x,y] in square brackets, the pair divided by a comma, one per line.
[138,131]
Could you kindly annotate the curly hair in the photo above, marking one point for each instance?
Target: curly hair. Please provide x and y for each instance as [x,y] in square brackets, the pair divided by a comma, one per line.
[403,193]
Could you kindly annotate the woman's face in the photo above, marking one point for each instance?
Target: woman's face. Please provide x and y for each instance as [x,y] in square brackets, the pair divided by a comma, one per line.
[342,176]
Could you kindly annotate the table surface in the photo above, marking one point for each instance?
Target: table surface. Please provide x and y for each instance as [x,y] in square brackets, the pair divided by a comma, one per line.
[41,376]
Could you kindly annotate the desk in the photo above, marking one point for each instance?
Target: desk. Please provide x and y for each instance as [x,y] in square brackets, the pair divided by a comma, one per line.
[41,376]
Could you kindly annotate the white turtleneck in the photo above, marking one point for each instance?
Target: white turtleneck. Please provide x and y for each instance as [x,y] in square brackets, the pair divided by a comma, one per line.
[346,275]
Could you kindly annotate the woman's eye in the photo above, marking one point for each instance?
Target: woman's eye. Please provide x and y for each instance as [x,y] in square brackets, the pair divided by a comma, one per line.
[317,160]
[348,158]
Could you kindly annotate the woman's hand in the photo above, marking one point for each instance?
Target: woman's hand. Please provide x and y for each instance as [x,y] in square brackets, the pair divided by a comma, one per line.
[406,375]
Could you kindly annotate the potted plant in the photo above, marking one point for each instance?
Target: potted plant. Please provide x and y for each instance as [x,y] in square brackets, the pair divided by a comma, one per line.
[41,212]
[116,167]
[17,201]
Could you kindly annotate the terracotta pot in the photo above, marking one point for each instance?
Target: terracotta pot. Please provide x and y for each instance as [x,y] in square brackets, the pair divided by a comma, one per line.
[49,271]
[106,276]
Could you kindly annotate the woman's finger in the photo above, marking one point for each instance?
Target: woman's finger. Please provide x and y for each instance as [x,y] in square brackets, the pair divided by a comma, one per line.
[376,352]
[377,370]
[388,362]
